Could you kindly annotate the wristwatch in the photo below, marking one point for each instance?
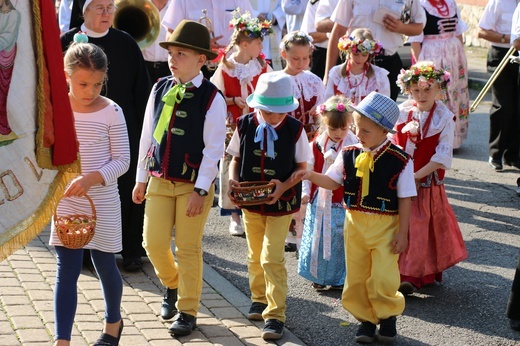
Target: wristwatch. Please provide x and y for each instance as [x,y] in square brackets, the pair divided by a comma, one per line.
[503,38]
[200,192]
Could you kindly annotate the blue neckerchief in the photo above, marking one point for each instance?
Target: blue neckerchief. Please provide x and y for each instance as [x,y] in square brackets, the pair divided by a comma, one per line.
[271,137]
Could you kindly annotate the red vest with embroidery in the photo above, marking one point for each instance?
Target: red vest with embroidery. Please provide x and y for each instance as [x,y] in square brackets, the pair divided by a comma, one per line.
[319,161]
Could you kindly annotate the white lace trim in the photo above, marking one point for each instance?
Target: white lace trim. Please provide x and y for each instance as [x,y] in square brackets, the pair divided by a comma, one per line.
[243,72]
[308,84]
[376,82]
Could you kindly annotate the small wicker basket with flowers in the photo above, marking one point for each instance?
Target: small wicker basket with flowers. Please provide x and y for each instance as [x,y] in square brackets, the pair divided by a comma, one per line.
[75,230]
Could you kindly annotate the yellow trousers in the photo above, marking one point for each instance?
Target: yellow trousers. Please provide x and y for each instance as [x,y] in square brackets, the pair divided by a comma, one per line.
[266,261]
[370,292]
[165,209]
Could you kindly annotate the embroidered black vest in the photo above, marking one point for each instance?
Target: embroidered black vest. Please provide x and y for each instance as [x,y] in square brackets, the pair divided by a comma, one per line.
[256,166]
[389,162]
[179,155]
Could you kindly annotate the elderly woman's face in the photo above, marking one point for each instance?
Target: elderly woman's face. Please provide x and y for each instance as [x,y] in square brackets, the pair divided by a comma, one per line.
[99,15]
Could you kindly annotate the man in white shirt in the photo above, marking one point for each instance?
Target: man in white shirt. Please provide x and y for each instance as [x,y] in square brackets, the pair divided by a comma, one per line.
[396,18]
[504,115]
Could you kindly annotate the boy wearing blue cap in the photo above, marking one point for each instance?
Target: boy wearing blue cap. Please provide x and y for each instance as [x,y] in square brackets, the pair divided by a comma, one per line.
[268,145]
[378,181]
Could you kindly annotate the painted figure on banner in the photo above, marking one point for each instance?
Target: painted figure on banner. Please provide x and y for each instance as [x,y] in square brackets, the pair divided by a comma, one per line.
[9,25]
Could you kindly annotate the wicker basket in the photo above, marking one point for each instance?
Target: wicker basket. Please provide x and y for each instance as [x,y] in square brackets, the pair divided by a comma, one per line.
[75,230]
[252,192]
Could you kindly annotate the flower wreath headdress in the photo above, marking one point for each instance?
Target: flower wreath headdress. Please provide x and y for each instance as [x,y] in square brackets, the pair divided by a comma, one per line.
[359,45]
[293,36]
[424,74]
[333,107]
[251,27]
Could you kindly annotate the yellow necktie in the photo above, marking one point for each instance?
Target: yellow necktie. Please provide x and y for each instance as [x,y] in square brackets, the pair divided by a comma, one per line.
[364,165]
[173,96]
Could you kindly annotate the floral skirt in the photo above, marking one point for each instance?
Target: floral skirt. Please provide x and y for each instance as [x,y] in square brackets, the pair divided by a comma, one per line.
[447,51]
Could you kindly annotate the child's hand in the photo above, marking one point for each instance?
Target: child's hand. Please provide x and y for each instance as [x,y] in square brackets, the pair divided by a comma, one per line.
[305,199]
[232,183]
[301,175]
[138,193]
[195,204]
[399,243]
[79,186]
[279,189]
[240,102]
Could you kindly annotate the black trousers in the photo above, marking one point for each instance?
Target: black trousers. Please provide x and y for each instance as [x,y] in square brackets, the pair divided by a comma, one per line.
[319,58]
[504,115]
[157,70]
[393,64]
[513,307]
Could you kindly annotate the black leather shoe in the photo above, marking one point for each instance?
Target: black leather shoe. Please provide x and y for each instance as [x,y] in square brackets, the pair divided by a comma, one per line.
[183,324]
[366,333]
[256,310]
[496,164]
[387,330]
[168,304]
[273,330]
[515,324]
[132,263]
[109,340]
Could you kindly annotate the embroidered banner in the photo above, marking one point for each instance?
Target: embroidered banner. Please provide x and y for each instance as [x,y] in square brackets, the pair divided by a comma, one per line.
[37,138]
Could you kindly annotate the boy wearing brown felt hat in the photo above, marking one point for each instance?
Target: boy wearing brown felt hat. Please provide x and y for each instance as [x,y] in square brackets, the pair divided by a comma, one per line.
[181,143]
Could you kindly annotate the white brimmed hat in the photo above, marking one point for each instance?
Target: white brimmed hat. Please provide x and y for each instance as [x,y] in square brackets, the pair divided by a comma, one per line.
[273,93]
[380,109]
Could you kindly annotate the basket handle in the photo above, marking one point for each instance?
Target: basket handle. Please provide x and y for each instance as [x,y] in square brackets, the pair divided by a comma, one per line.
[92,207]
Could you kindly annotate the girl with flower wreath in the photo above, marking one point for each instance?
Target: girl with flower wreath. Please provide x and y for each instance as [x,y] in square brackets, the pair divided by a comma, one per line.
[296,49]
[357,76]
[441,42]
[236,77]
[425,130]
[322,251]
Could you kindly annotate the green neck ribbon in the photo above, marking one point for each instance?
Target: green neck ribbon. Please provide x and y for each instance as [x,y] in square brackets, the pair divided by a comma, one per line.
[172,97]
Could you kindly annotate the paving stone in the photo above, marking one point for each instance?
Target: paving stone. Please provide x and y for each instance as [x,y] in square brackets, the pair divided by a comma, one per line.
[21,300]
[43,294]
[246,332]
[135,307]
[195,336]
[9,339]
[226,341]
[236,322]
[145,316]
[229,312]
[26,322]
[255,342]
[155,333]
[166,342]
[33,335]
[43,305]
[214,331]
[208,321]
[216,303]
[19,310]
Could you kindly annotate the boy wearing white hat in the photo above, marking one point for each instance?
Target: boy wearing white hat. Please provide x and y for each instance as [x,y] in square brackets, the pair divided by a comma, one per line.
[268,145]
[378,181]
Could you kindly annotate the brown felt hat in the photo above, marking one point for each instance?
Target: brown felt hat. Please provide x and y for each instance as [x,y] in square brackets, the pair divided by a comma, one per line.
[192,35]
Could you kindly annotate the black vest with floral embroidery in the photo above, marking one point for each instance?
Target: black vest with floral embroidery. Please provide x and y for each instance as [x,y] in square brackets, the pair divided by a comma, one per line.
[179,155]
[256,166]
[389,162]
